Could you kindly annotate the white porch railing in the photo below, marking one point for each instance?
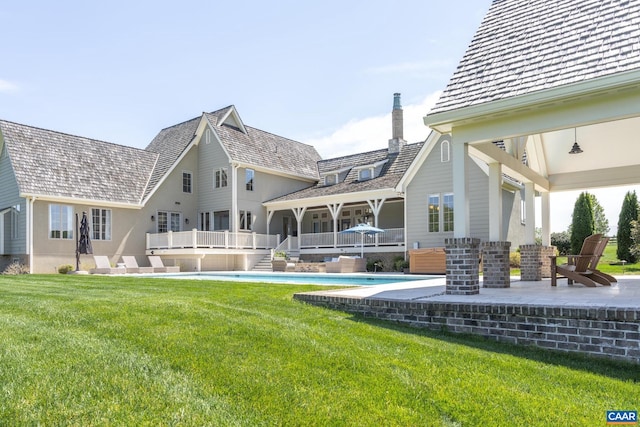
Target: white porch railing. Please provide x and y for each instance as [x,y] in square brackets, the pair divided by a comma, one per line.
[391,236]
[210,239]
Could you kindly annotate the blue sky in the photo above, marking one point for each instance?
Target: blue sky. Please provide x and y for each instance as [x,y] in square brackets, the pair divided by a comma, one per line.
[323,73]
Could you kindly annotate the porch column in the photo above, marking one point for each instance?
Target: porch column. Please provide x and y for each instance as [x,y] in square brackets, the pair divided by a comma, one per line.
[545,204]
[269,217]
[335,209]
[299,214]
[463,271]
[495,202]
[460,153]
[495,265]
[530,213]
[376,207]
[535,262]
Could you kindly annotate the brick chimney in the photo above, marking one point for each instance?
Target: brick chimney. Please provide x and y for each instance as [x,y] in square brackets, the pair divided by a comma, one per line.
[397,125]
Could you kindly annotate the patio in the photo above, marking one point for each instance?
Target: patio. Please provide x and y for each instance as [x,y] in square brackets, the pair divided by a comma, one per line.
[601,321]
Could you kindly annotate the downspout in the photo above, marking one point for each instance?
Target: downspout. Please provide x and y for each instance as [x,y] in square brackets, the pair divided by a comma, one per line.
[29,237]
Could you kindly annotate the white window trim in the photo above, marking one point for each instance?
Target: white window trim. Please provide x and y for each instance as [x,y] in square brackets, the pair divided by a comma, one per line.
[61,231]
[185,172]
[252,181]
[438,208]
[445,151]
[110,224]
[217,173]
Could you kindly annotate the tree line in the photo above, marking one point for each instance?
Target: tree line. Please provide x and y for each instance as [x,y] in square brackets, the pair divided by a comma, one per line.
[588,218]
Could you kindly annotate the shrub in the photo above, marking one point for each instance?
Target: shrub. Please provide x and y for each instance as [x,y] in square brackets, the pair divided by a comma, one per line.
[628,214]
[514,259]
[65,268]
[562,242]
[16,268]
[375,265]
[583,223]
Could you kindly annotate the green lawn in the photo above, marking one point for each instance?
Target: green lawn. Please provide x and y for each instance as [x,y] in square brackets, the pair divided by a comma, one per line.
[132,351]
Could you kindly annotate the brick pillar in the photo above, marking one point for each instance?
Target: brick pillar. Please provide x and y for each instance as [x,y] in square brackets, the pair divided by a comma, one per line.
[463,271]
[534,262]
[495,265]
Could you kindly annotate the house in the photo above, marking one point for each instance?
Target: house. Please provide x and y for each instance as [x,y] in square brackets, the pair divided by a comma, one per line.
[212,193]
[559,83]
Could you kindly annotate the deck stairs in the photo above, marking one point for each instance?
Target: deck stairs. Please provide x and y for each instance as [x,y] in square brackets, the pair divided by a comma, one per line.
[263,265]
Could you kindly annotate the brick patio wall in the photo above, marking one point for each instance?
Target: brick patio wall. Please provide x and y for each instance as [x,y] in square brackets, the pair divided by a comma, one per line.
[602,332]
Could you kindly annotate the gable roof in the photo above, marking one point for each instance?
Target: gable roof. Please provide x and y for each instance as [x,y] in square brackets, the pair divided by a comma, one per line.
[254,148]
[55,164]
[527,46]
[263,149]
[391,174]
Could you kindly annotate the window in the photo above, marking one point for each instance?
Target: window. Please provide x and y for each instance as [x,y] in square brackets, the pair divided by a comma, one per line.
[205,221]
[207,136]
[168,221]
[249,174]
[447,212]
[445,152]
[101,224]
[220,179]
[364,174]
[60,222]
[187,178]
[15,215]
[330,179]
[434,213]
[221,220]
[245,220]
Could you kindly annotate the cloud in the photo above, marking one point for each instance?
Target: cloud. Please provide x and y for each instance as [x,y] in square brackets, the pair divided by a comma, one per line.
[372,133]
[7,86]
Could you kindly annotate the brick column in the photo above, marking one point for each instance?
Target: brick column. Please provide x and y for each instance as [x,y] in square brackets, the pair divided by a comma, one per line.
[534,262]
[463,271]
[495,265]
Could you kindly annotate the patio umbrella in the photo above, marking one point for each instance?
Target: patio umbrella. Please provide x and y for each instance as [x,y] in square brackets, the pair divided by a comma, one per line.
[83,239]
[362,229]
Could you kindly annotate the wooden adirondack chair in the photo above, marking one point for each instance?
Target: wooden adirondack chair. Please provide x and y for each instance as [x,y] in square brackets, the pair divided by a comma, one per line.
[578,267]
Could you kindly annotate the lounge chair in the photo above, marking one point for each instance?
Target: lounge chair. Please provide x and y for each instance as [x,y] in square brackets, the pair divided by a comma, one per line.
[345,264]
[159,267]
[131,264]
[578,267]
[103,266]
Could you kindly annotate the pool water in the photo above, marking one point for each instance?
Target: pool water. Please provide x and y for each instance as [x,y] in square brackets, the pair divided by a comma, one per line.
[360,279]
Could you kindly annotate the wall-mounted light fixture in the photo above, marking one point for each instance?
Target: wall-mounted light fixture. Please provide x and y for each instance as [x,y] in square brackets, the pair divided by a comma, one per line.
[153,218]
[177,203]
[576,147]
[186,220]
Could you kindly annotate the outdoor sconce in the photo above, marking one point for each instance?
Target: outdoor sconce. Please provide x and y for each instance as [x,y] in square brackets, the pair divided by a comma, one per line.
[153,218]
[186,220]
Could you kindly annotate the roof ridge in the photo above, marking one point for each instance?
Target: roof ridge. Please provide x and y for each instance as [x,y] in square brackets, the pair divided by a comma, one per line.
[72,135]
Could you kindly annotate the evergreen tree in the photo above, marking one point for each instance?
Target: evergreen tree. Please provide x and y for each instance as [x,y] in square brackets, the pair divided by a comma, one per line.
[601,221]
[582,223]
[628,213]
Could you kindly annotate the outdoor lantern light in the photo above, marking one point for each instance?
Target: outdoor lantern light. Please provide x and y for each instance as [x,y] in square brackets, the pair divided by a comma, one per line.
[576,148]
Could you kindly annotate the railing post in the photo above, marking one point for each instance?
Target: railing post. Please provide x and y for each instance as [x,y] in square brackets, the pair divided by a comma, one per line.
[194,237]
[226,239]
[277,239]
[288,245]
[253,236]
[148,239]
[170,239]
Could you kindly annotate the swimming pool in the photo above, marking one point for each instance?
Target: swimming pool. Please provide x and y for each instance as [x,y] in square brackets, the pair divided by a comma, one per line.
[360,279]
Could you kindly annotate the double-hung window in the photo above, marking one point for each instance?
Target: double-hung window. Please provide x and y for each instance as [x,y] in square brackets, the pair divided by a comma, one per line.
[220,178]
[15,216]
[447,212]
[101,224]
[433,219]
[205,221]
[168,221]
[245,220]
[60,222]
[187,182]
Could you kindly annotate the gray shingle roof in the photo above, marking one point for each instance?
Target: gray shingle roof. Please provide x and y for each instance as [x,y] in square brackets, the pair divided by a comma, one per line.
[389,177]
[57,164]
[527,46]
[264,149]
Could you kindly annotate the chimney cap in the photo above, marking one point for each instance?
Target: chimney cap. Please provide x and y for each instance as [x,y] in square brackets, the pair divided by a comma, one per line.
[396,101]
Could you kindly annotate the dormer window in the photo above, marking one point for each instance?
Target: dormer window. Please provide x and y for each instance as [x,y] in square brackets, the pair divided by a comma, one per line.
[365,174]
[331,179]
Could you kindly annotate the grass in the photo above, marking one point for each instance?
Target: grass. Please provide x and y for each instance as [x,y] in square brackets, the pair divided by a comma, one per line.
[134,351]
[610,264]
